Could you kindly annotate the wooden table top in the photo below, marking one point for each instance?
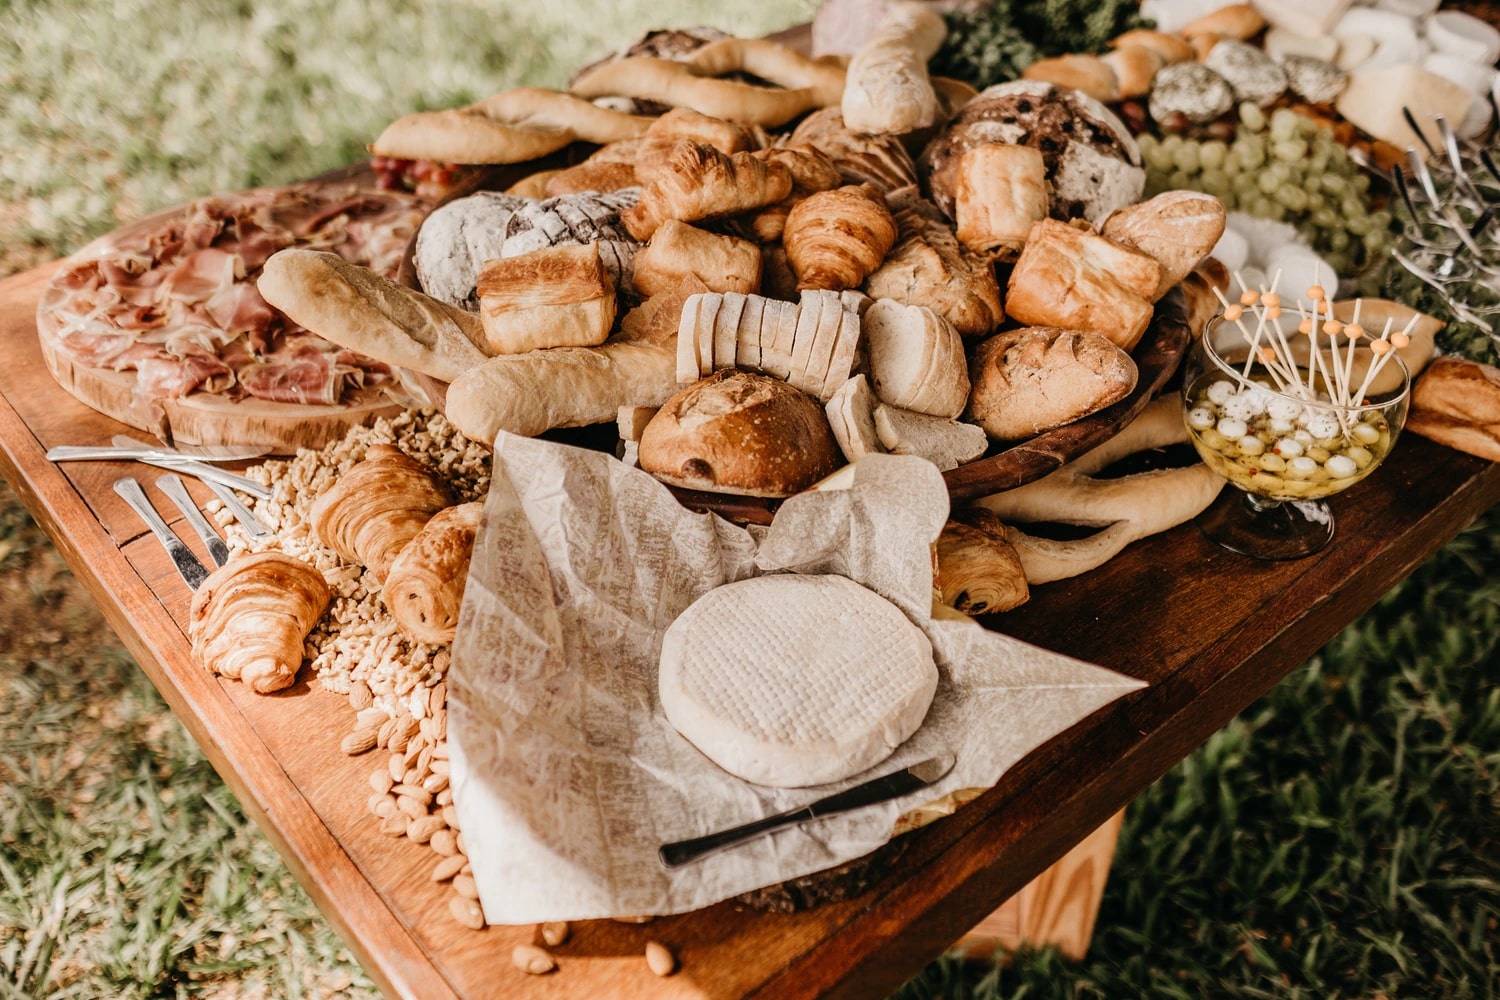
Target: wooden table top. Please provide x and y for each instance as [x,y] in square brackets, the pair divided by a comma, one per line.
[1209,630]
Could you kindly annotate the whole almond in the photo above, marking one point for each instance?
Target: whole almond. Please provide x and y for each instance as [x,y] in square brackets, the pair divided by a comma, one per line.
[360,697]
[555,932]
[440,767]
[461,848]
[424,759]
[410,727]
[421,830]
[411,776]
[412,756]
[394,826]
[450,816]
[440,749]
[381,781]
[435,783]
[410,807]
[437,697]
[439,723]
[448,867]
[371,717]
[417,792]
[529,958]
[466,912]
[661,961]
[374,803]
[387,808]
[398,739]
[358,742]
[396,766]
[465,886]
[386,731]
[445,842]
[445,797]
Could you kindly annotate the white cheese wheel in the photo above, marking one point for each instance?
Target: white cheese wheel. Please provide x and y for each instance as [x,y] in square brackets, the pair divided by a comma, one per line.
[792,680]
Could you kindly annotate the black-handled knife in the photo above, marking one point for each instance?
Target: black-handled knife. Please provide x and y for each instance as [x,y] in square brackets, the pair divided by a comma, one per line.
[875,790]
[176,490]
[182,557]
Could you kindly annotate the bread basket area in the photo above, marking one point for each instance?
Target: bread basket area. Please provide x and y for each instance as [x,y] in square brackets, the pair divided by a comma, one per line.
[757,425]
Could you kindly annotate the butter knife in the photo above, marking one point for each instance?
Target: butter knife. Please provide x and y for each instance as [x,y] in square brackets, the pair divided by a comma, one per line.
[182,557]
[162,460]
[875,790]
[172,485]
[241,513]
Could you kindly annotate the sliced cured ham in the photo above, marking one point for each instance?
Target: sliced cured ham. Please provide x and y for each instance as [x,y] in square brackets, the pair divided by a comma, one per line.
[178,304]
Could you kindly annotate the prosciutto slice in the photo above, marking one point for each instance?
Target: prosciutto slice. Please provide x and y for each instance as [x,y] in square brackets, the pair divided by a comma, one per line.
[179,305]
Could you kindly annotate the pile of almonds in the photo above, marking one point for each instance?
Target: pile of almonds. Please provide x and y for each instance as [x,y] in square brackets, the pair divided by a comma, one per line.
[412,798]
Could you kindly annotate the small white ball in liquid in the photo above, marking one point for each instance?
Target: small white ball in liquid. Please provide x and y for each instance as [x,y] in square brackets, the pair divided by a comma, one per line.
[1258,399]
[1220,392]
[1341,466]
[1361,457]
[1304,438]
[1288,447]
[1239,407]
[1201,417]
[1271,462]
[1322,424]
[1301,467]
[1282,427]
[1251,445]
[1232,428]
[1366,433]
[1281,408]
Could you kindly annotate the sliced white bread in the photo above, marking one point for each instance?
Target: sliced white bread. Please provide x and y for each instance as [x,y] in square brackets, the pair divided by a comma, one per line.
[916,359]
[809,313]
[688,367]
[747,336]
[703,331]
[945,443]
[851,414]
[726,330]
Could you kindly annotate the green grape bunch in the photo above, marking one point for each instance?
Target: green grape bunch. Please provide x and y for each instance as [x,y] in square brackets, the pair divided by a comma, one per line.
[1283,167]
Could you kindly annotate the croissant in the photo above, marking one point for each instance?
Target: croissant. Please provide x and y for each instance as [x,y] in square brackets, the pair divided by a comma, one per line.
[426,584]
[376,508]
[834,239]
[699,182]
[250,617]
[684,123]
[979,571]
[860,159]
[812,171]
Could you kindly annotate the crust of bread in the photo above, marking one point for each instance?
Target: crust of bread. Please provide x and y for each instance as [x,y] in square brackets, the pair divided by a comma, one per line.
[1176,228]
[1036,378]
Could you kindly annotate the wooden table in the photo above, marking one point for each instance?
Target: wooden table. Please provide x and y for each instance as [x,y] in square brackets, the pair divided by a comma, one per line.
[1210,631]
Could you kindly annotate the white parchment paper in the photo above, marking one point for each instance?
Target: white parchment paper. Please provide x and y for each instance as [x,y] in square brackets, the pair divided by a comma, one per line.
[566,774]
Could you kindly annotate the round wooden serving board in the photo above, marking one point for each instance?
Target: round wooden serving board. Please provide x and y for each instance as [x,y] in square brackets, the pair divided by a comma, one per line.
[202,418]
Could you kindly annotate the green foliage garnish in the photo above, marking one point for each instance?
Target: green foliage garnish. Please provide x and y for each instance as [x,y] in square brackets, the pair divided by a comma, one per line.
[995,42]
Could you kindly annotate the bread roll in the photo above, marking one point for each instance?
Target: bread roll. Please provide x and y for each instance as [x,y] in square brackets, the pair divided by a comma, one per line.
[1456,402]
[250,617]
[999,193]
[358,309]
[929,267]
[1036,378]
[738,432]
[678,250]
[1176,228]
[425,586]
[1134,67]
[1086,73]
[1078,280]
[559,296]
[916,359]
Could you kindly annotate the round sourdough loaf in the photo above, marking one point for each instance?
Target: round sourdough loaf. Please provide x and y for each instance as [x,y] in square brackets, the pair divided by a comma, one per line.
[739,432]
[1036,378]
[793,680]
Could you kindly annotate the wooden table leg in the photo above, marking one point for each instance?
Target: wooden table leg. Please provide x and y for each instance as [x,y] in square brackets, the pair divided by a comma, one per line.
[1057,908]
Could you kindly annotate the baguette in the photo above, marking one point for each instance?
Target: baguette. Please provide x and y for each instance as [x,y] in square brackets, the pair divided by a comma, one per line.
[527,394]
[358,309]
[887,88]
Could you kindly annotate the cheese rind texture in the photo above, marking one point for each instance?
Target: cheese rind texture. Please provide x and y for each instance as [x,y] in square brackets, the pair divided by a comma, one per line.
[793,680]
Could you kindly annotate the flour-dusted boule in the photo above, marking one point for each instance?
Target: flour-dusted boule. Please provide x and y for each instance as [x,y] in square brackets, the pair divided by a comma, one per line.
[456,240]
[793,680]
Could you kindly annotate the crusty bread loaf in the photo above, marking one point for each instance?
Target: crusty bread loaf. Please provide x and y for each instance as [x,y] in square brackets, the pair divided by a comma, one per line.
[1176,228]
[916,359]
[1036,378]
[1075,279]
[1457,403]
[558,296]
[356,308]
[739,432]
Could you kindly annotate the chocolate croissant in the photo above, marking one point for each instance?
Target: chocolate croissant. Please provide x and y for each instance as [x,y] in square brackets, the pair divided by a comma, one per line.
[250,617]
[376,508]
[834,239]
[426,584]
[979,571]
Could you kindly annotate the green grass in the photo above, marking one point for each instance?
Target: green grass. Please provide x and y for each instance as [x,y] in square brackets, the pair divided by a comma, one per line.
[1340,839]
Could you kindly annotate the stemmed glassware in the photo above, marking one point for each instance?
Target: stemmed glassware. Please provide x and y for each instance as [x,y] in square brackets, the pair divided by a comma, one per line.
[1290,408]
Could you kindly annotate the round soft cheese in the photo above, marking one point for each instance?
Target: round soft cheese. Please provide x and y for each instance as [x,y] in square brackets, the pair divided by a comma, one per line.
[793,680]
